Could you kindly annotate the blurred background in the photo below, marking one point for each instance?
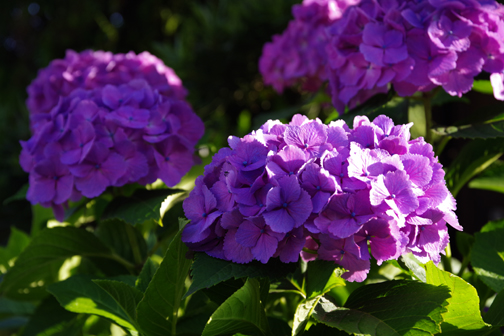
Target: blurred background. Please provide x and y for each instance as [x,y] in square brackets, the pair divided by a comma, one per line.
[213,46]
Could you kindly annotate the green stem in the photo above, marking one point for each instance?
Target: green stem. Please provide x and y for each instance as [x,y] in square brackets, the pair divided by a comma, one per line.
[465,263]
[131,268]
[428,116]
[307,250]
[446,259]
[442,144]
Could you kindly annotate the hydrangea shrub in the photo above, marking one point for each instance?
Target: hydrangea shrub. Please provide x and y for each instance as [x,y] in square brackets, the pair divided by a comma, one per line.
[329,188]
[363,47]
[100,119]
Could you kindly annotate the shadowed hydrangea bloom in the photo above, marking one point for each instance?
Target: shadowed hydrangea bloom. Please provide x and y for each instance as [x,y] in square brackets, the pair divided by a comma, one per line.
[372,45]
[298,55]
[346,195]
[100,119]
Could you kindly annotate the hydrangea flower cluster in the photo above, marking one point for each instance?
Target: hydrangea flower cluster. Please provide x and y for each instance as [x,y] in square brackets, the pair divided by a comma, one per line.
[413,45]
[298,55]
[334,190]
[101,120]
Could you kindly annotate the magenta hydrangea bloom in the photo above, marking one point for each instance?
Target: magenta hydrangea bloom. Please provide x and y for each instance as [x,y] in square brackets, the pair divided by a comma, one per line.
[372,45]
[342,194]
[100,119]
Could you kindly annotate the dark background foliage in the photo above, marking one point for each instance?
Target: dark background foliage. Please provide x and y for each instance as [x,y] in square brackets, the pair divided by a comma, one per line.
[214,47]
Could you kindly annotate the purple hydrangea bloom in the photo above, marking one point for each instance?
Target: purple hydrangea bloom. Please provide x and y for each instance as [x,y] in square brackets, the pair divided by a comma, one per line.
[371,45]
[106,120]
[270,196]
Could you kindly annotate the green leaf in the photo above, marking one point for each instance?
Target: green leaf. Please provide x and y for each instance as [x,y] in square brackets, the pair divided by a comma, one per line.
[37,266]
[48,319]
[303,313]
[475,131]
[242,313]
[18,241]
[389,308]
[495,314]
[18,196]
[157,312]
[222,291]
[79,294]
[463,316]
[321,277]
[123,239]
[490,179]
[369,107]
[493,225]
[487,258]
[465,243]
[208,271]
[40,216]
[12,307]
[125,296]
[483,86]
[475,157]
[146,275]
[139,207]
[415,266]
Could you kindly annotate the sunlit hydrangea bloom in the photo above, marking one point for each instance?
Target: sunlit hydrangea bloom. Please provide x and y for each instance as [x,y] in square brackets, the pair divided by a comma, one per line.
[408,44]
[344,194]
[100,119]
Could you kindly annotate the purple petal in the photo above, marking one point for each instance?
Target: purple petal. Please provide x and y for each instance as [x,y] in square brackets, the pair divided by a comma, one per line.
[234,251]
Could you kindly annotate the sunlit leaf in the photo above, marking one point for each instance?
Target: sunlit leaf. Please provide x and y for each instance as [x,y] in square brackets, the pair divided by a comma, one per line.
[208,271]
[241,313]
[37,266]
[388,308]
[158,311]
[463,316]
[487,258]
[475,157]
[139,207]
[79,294]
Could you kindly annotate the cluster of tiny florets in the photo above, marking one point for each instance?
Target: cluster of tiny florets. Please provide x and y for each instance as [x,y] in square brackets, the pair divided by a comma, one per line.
[328,188]
[411,45]
[100,119]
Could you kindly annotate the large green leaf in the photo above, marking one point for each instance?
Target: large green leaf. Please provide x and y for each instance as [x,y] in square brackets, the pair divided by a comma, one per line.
[303,313]
[124,295]
[79,294]
[18,241]
[463,316]
[495,314]
[12,307]
[389,308]
[487,258]
[241,313]
[475,157]
[208,271]
[37,266]
[321,277]
[158,311]
[491,179]
[139,207]
[123,239]
[146,275]
[48,319]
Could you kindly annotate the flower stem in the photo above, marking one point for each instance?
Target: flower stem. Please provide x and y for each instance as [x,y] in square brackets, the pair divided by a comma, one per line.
[427,96]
